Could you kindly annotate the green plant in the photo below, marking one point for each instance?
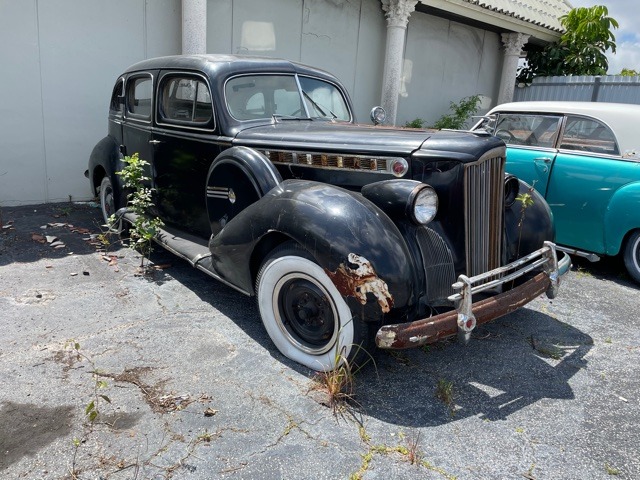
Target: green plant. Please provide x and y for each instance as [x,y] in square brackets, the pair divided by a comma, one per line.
[526,201]
[337,384]
[416,123]
[581,49]
[611,470]
[92,409]
[460,113]
[444,392]
[629,72]
[140,202]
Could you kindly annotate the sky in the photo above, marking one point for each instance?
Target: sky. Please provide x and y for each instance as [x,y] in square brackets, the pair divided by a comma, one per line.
[627,13]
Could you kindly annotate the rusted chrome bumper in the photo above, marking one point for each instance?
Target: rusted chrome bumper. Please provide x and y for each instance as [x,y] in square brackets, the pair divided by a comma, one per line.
[467,314]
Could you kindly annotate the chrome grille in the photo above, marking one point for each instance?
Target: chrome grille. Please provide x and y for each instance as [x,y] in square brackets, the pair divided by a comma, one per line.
[483,208]
[438,265]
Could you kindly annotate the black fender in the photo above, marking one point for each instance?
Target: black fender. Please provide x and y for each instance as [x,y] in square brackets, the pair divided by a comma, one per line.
[536,226]
[106,160]
[342,230]
[237,178]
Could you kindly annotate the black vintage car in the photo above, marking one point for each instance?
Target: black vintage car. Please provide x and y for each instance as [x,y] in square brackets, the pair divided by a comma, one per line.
[345,233]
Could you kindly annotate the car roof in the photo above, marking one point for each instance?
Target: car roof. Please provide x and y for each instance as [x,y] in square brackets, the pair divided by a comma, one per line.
[622,118]
[226,64]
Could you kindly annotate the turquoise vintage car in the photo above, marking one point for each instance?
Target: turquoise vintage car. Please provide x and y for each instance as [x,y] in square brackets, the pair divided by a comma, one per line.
[584,158]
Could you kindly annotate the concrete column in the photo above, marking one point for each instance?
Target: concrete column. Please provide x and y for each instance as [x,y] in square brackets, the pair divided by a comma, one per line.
[513,43]
[194,27]
[397,13]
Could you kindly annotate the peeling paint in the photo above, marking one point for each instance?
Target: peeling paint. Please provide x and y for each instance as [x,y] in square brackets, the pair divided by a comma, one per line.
[360,281]
[386,339]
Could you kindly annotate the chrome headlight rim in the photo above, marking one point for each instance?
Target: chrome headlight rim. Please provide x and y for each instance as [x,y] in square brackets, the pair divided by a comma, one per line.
[511,190]
[418,210]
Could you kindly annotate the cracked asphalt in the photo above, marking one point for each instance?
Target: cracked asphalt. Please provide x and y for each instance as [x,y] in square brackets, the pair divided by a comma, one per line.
[197,391]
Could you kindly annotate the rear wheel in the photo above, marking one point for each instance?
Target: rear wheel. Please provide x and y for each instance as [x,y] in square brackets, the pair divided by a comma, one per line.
[109,207]
[303,312]
[632,256]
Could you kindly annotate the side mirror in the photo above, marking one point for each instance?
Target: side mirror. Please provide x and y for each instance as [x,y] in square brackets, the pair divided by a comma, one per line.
[378,115]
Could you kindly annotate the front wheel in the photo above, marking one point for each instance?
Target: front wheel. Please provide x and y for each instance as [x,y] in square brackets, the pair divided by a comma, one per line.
[303,312]
[632,256]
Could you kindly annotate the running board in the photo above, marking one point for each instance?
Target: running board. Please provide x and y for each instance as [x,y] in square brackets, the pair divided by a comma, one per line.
[191,248]
[592,257]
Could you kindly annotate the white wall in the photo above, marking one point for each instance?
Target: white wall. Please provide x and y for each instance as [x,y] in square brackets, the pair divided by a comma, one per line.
[59,61]
[446,61]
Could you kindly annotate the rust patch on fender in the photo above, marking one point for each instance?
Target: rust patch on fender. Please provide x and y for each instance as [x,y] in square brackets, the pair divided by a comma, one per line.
[360,281]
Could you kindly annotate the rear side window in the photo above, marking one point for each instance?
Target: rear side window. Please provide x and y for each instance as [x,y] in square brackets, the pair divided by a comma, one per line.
[185,100]
[139,93]
[588,135]
[115,106]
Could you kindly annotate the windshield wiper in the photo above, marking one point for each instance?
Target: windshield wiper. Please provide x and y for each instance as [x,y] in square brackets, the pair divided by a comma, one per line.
[317,107]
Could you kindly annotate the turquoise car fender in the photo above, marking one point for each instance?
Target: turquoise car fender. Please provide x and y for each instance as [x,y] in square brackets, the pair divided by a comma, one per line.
[622,216]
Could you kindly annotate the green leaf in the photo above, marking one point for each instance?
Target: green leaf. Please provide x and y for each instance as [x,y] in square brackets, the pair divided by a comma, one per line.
[90,407]
[105,398]
[102,384]
[92,415]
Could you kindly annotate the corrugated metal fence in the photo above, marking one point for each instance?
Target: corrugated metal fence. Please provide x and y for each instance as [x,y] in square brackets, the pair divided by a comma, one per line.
[610,88]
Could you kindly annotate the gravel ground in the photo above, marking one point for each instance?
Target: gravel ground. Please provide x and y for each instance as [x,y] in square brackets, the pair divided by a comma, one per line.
[197,391]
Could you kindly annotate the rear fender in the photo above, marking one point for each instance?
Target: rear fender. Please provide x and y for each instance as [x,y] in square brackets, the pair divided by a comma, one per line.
[347,235]
[106,160]
[622,216]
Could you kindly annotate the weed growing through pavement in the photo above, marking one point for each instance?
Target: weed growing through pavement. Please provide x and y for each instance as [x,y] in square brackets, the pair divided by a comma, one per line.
[445,393]
[139,202]
[337,383]
[611,470]
[410,451]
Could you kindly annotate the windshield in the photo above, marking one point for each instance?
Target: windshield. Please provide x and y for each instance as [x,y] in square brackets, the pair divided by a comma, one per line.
[251,97]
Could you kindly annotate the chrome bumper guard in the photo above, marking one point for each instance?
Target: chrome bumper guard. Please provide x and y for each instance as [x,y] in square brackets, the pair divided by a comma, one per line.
[467,315]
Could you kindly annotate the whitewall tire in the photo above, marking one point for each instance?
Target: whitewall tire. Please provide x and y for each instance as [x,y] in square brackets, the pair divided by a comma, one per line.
[303,312]
[632,255]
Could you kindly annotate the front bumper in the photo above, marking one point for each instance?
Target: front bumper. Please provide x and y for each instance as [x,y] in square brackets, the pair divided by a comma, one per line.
[467,314]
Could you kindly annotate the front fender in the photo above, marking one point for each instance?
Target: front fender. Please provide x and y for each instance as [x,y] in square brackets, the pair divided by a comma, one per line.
[536,227]
[341,230]
[622,216]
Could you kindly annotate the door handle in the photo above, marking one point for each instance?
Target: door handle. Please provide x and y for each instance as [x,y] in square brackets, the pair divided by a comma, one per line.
[542,159]
[154,142]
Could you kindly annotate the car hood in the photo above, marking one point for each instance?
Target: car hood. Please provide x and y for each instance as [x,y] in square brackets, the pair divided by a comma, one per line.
[357,139]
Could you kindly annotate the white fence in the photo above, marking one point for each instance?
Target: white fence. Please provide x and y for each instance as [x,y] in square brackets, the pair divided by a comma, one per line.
[610,88]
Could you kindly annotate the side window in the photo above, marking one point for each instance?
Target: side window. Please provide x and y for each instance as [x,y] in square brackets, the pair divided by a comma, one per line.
[185,100]
[588,135]
[115,106]
[531,130]
[139,92]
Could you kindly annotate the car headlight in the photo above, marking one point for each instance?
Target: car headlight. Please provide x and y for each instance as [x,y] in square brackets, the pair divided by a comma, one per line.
[511,190]
[425,205]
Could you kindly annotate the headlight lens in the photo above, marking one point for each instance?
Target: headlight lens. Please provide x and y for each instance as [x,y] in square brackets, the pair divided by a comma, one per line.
[425,205]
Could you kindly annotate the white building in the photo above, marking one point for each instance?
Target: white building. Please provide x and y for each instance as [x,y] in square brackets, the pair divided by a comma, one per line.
[60,59]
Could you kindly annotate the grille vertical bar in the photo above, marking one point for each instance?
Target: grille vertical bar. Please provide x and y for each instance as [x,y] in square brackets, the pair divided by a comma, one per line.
[483,203]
